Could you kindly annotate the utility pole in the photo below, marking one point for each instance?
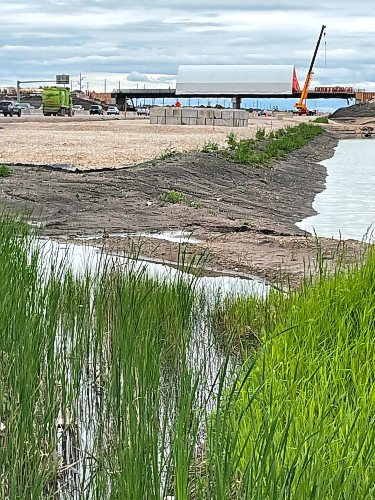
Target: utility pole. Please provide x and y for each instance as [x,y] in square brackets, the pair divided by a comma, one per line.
[81,78]
[105,85]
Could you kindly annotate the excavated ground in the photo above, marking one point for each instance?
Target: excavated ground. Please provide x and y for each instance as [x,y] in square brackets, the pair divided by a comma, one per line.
[244,216]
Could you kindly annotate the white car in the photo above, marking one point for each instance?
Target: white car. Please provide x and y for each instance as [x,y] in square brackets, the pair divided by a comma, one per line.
[143,111]
[113,110]
[78,107]
[25,105]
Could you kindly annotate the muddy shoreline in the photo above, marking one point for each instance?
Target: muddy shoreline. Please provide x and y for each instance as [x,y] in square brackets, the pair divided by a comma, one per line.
[244,216]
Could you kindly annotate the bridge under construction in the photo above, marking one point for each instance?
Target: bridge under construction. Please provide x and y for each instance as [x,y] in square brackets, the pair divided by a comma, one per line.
[347,93]
[238,82]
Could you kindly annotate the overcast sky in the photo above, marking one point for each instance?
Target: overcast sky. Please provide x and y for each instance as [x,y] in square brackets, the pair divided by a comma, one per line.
[148,39]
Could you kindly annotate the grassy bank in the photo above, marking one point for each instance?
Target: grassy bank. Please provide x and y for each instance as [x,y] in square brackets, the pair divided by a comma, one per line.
[300,423]
[111,385]
[265,147]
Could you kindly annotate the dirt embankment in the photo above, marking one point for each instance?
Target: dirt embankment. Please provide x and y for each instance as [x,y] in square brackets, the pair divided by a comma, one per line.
[361,110]
[245,216]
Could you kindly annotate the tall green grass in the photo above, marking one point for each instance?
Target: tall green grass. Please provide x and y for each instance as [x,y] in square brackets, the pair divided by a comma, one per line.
[93,371]
[300,422]
[106,390]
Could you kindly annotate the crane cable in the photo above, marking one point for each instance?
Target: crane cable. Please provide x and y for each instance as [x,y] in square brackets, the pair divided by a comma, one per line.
[325,49]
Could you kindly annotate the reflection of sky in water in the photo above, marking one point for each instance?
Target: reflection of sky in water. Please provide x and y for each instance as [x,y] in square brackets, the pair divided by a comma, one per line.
[86,258]
[347,206]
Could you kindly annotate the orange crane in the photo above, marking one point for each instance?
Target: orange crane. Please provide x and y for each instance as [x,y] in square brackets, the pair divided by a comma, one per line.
[301,105]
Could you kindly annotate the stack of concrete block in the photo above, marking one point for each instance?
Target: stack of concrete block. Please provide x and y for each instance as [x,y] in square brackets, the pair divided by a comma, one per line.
[199,116]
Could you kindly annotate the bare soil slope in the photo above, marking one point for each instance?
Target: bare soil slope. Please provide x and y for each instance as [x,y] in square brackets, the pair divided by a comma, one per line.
[244,215]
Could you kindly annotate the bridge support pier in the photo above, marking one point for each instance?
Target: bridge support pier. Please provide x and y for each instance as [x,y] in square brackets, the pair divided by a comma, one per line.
[236,102]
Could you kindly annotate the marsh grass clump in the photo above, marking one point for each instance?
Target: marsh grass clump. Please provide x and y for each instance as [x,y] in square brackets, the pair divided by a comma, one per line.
[114,384]
[300,419]
[101,352]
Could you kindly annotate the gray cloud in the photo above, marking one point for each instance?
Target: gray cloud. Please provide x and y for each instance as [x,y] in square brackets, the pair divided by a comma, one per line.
[42,38]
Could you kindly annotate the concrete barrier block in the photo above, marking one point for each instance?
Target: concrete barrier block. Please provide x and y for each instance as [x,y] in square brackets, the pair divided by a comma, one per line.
[227,114]
[177,112]
[242,115]
[188,121]
[209,121]
[173,120]
[161,120]
[201,121]
[219,122]
[217,113]
[189,113]
[206,113]
[157,112]
[153,120]
[168,112]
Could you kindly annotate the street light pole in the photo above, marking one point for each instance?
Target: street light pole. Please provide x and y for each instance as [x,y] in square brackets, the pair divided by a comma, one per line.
[80,81]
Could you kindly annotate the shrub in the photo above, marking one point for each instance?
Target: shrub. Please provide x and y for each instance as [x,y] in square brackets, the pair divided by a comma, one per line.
[210,146]
[260,134]
[5,171]
[169,152]
[171,197]
[232,140]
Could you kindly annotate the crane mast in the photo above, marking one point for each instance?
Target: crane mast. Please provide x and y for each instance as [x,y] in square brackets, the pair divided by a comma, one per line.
[301,105]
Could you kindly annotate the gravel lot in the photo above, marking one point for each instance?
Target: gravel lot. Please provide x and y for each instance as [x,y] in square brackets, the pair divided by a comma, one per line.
[95,142]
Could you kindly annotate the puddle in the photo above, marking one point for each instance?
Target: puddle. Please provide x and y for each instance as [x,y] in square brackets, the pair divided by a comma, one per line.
[84,258]
[346,208]
[172,236]
[204,355]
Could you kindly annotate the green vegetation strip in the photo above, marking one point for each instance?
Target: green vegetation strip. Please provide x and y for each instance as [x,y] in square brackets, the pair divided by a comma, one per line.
[103,393]
[301,421]
[265,147]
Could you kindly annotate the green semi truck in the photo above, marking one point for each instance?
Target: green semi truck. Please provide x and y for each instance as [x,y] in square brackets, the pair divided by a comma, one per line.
[57,101]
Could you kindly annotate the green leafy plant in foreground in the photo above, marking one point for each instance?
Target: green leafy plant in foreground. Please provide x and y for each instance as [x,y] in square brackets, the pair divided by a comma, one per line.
[5,171]
[111,385]
[300,421]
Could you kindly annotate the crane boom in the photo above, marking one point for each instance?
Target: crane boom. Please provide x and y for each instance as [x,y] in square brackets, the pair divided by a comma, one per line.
[301,105]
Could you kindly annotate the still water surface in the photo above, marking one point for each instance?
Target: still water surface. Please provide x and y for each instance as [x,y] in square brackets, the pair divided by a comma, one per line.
[346,208]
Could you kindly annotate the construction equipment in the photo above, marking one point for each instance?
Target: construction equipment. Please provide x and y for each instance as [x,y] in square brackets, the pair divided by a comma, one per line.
[57,101]
[301,105]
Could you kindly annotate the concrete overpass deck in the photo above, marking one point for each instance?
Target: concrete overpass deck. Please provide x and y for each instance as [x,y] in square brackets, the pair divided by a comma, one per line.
[121,94]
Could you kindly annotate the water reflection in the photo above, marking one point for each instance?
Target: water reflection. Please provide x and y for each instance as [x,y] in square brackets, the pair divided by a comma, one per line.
[346,208]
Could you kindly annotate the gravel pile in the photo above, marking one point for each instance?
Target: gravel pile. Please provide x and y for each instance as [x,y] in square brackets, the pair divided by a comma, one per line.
[362,110]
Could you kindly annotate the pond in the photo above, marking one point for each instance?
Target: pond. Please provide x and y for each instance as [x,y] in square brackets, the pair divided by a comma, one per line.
[346,208]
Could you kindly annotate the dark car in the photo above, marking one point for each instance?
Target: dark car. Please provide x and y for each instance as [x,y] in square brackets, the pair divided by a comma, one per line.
[10,108]
[96,109]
